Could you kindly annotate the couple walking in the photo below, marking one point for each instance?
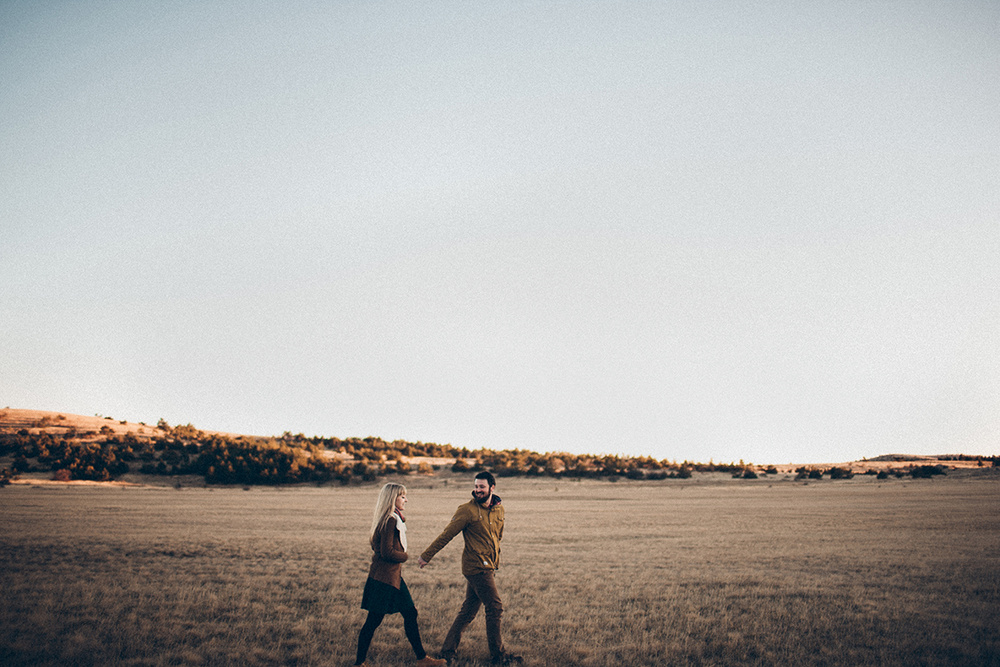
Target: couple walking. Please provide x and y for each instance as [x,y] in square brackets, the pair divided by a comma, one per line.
[481,523]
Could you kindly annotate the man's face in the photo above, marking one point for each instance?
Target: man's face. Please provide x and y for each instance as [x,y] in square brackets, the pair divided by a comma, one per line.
[481,490]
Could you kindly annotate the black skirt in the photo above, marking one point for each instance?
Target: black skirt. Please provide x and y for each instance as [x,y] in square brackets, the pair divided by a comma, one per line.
[380,598]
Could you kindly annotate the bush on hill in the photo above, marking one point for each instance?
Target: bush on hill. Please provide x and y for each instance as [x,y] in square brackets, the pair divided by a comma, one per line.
[927,471]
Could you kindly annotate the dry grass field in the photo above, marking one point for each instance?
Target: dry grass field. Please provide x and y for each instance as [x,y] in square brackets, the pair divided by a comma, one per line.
[707,571]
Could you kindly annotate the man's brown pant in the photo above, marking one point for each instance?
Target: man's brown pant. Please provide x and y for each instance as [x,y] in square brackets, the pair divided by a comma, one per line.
[480,591]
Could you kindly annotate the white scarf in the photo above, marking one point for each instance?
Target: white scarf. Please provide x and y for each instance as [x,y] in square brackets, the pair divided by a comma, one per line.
[401,527]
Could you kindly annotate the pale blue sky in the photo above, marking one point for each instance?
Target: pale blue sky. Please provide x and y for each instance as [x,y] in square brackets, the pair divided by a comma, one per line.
[689,230]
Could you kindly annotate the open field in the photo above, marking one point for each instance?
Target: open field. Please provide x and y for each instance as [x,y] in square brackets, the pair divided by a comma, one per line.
[708,571]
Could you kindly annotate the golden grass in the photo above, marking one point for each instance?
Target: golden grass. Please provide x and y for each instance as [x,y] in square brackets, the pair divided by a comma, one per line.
[708,571]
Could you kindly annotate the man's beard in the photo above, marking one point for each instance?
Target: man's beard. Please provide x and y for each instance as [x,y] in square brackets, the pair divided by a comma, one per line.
[480,496]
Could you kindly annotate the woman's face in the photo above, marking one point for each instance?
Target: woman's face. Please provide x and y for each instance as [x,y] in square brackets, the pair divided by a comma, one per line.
[400,502]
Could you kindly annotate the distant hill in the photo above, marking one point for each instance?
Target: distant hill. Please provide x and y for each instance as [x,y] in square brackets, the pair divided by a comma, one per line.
[103,448]
[38,421]
[48,421]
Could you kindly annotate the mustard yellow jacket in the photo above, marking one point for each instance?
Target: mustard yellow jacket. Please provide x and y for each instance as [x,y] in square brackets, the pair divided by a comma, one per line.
[482,528]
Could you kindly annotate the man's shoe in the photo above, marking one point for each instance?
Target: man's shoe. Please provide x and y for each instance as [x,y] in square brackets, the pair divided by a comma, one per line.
[428,661]
[508,659]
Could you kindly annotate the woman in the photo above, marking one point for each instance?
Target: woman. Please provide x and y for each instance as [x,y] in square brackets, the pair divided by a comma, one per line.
[385,590]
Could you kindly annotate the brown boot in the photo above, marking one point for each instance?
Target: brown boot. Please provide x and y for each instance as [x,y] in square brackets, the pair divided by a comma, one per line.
[428,661]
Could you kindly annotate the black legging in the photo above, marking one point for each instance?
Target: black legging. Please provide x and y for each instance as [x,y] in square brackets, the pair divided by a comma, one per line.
[409,626]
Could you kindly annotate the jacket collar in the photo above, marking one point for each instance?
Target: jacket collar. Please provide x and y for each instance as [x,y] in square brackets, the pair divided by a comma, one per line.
[494,502]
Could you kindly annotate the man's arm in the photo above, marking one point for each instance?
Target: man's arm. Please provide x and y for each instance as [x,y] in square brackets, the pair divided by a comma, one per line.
[454,527]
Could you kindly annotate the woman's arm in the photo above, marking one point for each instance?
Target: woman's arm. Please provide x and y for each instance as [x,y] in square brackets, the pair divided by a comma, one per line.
[387,544]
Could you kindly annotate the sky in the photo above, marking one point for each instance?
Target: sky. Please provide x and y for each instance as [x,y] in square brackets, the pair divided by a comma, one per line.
[765,231]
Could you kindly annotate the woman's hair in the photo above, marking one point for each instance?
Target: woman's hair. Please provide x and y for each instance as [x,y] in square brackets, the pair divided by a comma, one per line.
[385,505]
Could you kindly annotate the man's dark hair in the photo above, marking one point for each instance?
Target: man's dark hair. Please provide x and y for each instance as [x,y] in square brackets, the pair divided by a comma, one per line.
[488,476]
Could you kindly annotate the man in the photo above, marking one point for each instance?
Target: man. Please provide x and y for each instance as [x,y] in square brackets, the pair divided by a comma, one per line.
[481,523]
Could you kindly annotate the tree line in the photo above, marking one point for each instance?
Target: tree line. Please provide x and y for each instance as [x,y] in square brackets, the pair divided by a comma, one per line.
[290,459]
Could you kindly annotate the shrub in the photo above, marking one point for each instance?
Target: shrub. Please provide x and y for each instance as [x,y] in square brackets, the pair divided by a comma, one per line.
[840,473]
[21,464]
[749,474]
[366,471]
[926,472]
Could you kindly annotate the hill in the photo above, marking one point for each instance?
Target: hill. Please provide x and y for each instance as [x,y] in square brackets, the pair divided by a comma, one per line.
[46,421]
[100,448]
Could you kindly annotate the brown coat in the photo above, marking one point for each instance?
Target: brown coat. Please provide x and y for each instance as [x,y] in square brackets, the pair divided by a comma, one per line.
[388,556]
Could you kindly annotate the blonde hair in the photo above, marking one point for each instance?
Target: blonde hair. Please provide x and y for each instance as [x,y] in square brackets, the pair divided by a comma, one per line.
[385,505]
